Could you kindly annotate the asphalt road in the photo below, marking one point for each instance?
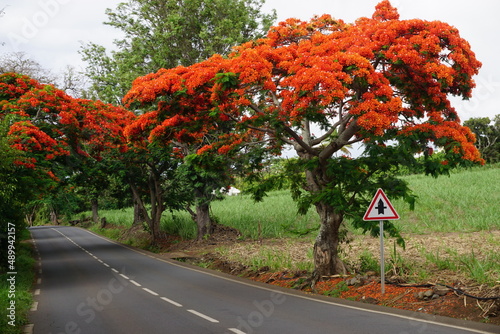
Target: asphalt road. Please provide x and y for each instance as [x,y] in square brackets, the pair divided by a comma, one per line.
[88,284]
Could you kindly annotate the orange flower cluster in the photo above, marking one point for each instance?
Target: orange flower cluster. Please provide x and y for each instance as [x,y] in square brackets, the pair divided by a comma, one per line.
[13,86]
[384,11]
[29,138]
[52,123]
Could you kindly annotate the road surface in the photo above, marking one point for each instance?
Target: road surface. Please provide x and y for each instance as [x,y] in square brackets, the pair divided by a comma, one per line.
[88,284]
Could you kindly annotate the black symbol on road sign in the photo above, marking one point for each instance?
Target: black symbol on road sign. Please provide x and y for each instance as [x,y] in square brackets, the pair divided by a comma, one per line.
[380,207]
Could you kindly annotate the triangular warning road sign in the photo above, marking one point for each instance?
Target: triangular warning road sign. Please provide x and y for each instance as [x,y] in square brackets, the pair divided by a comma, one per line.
[380,208]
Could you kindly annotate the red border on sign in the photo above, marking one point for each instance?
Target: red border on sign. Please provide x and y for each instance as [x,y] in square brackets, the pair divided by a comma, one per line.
[379,193]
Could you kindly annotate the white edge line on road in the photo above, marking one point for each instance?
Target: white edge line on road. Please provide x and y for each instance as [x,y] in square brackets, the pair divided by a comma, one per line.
[116,271]
[37,292]
[124,276]
[150,291]
[171,301]
[299,296]
[201,315]
[34,306]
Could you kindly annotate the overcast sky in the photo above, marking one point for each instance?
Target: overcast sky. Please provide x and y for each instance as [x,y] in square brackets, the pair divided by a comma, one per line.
[52,31]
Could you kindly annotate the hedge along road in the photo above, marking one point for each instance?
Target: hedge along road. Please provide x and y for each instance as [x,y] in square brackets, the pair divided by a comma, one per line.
[89,284]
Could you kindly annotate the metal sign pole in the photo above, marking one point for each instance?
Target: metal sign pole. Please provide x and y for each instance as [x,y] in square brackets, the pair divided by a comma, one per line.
[382,263]
[381,209]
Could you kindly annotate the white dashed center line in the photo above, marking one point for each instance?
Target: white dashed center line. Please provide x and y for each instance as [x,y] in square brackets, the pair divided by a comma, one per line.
[124,276]
[236,330]
[150,291]
[134,282]
[201,315]
[171,301]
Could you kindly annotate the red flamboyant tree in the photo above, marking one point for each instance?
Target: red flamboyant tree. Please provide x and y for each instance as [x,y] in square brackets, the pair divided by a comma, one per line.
[184,126]
[322,85]
[48,124]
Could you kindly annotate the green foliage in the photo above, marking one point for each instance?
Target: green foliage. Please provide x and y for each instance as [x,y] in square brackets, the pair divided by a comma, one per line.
[440,261]
[487,133]
[484,271]
[17,187]
[166,34]
[398,264]
[204,175]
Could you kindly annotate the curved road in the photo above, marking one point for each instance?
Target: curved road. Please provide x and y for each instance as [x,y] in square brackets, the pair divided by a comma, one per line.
[88,284]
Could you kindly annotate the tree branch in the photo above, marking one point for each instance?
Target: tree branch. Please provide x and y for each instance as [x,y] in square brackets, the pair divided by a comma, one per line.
[288,130]
[342,140]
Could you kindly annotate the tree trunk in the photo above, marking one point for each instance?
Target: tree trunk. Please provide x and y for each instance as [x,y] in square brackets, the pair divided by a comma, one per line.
[203,220]
[30,216]
[138,214]
[326,257]
[141,207]
[95,209]
[53,216]
[157,205]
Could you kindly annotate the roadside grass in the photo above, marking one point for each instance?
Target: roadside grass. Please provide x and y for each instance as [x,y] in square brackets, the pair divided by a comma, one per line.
[123,217]
[177,223]
[24,280]
[272,255]
[484,269]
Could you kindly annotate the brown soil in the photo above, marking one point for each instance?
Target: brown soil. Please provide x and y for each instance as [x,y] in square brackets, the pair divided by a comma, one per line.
[225,252]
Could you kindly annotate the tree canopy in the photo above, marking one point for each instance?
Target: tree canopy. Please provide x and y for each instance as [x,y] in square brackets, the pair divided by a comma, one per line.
[57,135]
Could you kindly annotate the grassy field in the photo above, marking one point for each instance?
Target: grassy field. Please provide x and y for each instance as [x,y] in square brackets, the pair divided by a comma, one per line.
[466,201]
